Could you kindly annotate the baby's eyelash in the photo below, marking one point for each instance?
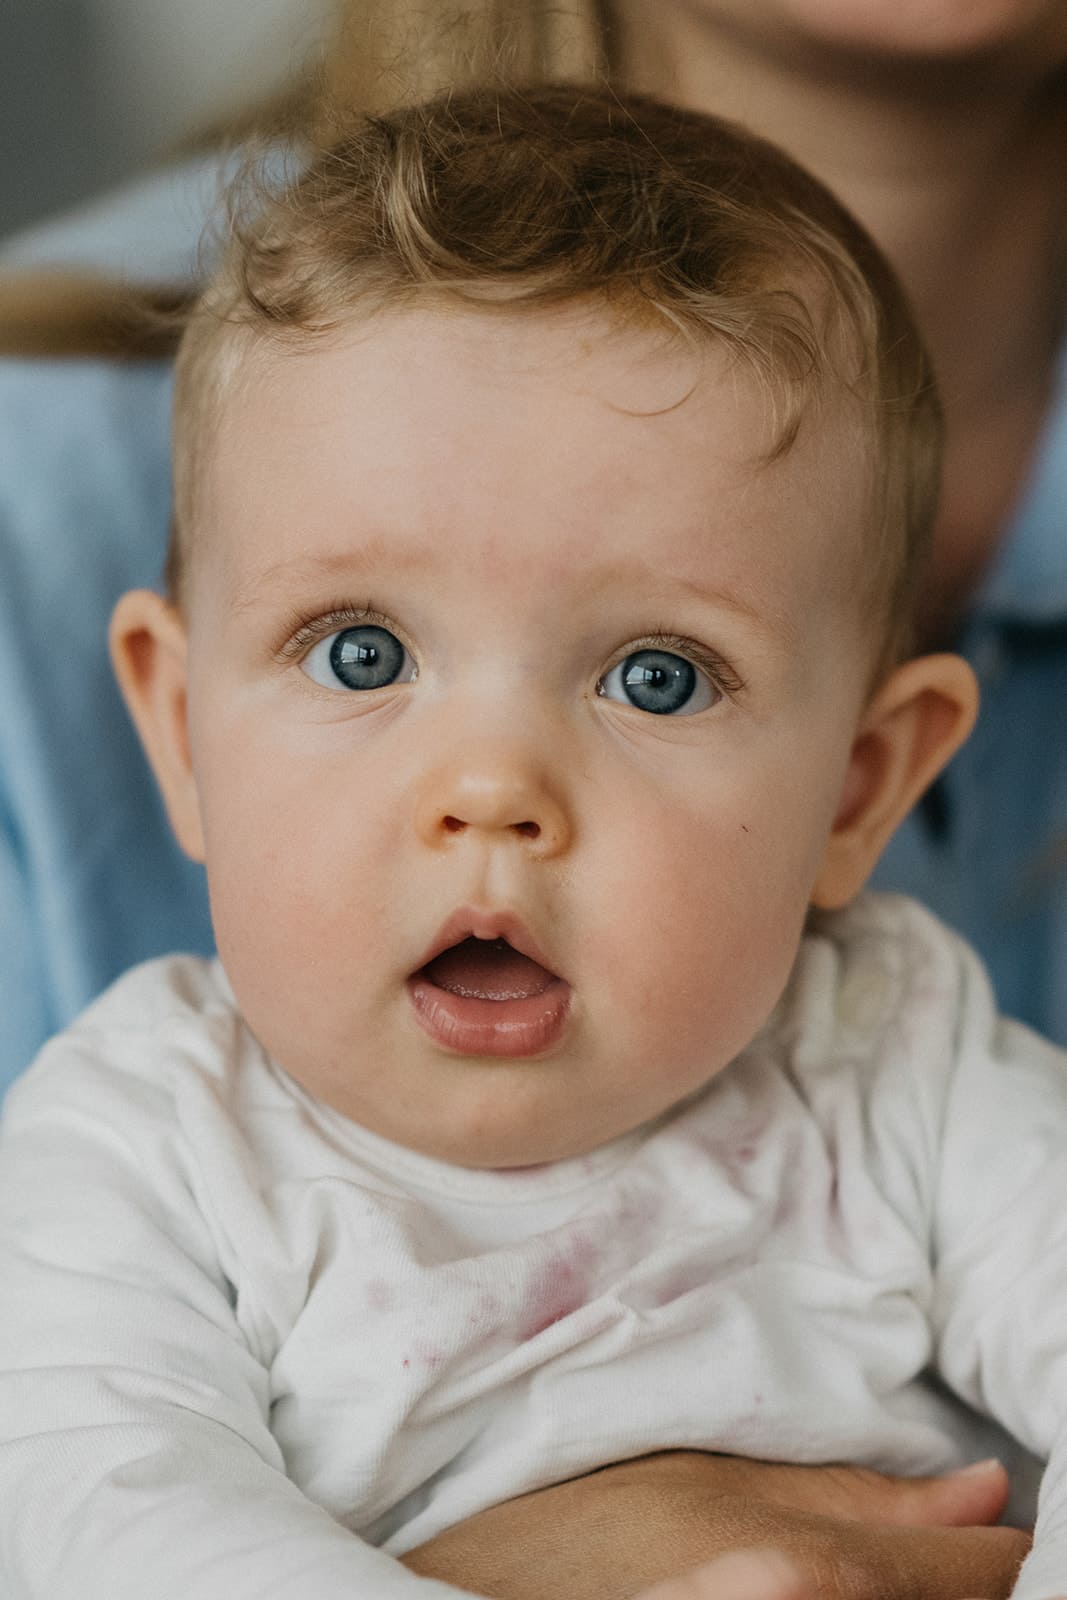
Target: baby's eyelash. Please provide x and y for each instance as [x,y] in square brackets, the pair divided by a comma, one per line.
[718,669]
[302,631]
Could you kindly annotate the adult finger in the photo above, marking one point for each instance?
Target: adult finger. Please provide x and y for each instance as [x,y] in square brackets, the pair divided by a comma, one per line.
[974,1497]
[911,1563]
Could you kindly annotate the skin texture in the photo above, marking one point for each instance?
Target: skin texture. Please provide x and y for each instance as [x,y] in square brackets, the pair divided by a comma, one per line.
[842,1532]
[441,471]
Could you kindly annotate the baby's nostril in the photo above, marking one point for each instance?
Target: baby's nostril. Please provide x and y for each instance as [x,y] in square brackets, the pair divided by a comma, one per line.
[529,830]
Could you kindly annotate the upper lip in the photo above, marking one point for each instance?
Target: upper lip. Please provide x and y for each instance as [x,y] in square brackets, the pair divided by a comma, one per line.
[472,922]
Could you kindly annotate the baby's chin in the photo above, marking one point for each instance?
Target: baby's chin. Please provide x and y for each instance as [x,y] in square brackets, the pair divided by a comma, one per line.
[528,1142]
[509,1150]
[498,1137]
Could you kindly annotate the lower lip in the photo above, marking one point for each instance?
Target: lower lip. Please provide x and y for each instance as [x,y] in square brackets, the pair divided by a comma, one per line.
[473,1027]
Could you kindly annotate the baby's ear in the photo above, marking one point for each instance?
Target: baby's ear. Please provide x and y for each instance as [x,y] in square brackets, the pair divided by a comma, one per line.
[911,727]
[148,652]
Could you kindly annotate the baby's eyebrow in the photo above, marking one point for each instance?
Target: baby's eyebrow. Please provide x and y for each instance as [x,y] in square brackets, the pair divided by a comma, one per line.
[731,600]
[354,561]
[368,559]
[770,621]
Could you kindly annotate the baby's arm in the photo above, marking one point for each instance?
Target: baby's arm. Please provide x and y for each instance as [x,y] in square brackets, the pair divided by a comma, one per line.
[1000,1251]
[135,1453]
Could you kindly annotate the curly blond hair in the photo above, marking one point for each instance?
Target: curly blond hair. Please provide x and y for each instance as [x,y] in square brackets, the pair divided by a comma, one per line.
[525,198]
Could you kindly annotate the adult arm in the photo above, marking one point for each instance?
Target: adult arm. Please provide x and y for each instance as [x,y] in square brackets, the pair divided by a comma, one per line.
[836,1530]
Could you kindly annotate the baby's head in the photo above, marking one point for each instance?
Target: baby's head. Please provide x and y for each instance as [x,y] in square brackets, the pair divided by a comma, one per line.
[552,478]
[663,222]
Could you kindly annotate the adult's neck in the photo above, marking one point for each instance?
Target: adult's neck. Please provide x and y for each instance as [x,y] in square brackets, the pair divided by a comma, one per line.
[956,168]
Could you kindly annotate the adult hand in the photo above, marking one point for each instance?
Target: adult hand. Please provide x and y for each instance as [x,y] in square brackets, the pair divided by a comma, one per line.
[848,1533]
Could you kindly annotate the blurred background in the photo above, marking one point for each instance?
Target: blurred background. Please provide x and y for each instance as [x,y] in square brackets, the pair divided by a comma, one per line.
[94,91]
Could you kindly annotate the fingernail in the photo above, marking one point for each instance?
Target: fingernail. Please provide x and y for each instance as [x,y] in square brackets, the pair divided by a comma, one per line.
[990,1464]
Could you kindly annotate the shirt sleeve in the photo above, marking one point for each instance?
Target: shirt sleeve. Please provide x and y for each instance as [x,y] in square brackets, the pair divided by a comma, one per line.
[136,1455]
[1000,1249]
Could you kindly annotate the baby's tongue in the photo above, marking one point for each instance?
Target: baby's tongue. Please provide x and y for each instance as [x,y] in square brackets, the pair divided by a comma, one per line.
[488,969]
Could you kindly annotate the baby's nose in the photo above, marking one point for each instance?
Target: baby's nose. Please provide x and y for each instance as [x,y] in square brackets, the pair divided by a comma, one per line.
[497,794]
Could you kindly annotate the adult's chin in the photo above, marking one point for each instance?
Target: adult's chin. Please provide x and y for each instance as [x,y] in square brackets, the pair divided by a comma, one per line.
[870,32]
[927,30]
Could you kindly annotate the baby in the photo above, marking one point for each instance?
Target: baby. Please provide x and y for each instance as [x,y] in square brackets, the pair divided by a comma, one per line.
[552,475]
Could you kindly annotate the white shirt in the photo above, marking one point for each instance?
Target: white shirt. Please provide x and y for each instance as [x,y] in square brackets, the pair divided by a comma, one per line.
[249,1349]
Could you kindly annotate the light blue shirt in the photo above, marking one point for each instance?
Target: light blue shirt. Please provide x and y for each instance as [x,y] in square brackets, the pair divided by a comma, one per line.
[90,879]
[997,867]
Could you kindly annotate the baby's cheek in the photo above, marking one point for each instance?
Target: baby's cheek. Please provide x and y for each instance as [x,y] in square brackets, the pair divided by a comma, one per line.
[648,923]
[700,935]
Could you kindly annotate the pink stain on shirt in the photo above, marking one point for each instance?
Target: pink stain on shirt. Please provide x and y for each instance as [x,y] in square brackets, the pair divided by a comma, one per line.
[558,1287]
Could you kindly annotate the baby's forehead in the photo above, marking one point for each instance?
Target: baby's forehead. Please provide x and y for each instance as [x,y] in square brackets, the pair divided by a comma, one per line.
[488,358]
[507,346]
[472,374]
[421,438]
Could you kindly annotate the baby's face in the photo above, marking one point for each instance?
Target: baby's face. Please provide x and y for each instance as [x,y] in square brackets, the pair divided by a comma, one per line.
[521,695]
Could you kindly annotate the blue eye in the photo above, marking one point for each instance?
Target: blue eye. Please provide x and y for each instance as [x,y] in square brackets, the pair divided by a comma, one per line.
[366,657]
[660,682]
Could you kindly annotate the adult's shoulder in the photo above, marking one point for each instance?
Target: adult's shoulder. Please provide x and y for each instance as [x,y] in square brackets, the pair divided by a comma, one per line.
[84,475]
[91,881]
[90,878]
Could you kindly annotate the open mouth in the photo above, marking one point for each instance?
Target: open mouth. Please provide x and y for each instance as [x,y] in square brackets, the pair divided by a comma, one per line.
[482,996]
[488,969]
